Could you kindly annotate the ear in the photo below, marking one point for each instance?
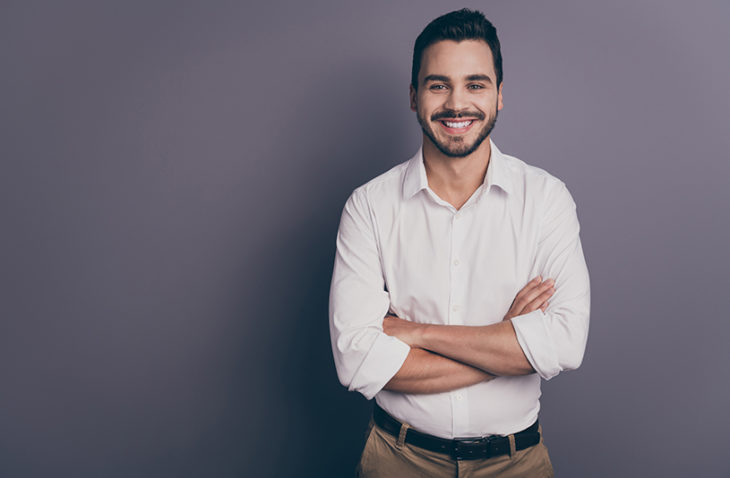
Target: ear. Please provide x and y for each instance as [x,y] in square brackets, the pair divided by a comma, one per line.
[412,94]
[500,105]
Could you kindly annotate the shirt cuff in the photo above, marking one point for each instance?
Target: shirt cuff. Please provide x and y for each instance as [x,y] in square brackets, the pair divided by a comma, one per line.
[384,359]
[534,337]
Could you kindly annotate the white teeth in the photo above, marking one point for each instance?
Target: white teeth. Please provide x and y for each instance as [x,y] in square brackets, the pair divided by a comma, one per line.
[461,124]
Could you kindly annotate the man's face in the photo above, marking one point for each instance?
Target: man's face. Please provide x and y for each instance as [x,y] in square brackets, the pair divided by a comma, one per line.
[458,96]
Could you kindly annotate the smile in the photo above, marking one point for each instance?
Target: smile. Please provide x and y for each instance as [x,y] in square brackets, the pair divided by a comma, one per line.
[456,127]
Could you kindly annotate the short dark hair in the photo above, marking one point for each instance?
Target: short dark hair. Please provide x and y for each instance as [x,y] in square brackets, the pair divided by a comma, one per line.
[458,25]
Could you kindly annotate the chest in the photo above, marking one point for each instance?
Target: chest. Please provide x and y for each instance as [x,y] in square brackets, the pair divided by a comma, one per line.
[457,267]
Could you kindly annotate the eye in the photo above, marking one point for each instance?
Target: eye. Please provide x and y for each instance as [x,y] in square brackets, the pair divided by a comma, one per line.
[438,87]
[476,87]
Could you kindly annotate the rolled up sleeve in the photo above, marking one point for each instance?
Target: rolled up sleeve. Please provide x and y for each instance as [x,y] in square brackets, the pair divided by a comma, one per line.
[365,357]
[555,340]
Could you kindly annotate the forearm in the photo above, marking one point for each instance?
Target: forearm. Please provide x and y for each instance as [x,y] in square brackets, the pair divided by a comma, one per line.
[491,348]
[428,372]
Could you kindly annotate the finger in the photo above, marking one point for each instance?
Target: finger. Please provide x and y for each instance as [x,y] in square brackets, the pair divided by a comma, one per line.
[545,305]
[519,300]
[528,292]
[529,286]
[538,301]
[518,303]
[532,294]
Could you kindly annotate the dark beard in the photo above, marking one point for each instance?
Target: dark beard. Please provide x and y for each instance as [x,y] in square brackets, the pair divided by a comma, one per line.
[465,150]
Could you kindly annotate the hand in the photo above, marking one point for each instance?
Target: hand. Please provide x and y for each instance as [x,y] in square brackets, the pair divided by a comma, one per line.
[533,296]
[409,332]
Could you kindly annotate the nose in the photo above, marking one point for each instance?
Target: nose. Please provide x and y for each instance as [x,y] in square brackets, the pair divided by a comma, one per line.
[456,100]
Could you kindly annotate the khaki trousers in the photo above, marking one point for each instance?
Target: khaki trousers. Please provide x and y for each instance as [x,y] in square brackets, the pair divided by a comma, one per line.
[384,457]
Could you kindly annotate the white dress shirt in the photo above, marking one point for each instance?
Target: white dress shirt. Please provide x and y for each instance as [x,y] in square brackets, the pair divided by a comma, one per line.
[404,250]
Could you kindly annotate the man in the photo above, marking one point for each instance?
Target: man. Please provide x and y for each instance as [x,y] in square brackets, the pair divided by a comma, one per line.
[459,280]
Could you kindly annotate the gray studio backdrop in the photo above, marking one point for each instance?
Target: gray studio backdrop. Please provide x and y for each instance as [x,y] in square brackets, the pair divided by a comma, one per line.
[172,179]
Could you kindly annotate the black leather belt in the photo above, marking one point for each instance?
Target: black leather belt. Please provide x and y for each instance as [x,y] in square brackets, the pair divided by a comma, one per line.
[461,449]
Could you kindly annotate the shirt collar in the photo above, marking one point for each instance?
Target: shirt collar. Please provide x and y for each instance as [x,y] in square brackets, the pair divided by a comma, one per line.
[497,173]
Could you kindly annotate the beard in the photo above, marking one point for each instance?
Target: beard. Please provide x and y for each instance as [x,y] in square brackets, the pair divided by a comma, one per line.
[457,147]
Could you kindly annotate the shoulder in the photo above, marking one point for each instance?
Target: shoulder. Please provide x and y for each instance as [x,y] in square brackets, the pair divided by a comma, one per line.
[531,175]
[384,188]
[390,181]
[534,183]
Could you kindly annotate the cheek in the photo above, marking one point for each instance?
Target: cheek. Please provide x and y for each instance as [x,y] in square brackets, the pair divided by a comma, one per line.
[424,112]
[428,104]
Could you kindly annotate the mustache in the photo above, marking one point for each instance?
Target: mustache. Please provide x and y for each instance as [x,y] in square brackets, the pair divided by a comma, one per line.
[451,114]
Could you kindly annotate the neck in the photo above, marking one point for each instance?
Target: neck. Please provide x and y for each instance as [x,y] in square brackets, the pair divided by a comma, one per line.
[455,179]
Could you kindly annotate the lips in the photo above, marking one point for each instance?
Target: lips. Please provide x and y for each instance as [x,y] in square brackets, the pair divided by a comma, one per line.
[460,126]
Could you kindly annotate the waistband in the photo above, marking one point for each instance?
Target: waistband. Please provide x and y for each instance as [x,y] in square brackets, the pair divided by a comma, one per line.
[458,449]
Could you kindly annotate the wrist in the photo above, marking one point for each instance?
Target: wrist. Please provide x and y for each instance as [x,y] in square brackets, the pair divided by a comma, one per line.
[423,335]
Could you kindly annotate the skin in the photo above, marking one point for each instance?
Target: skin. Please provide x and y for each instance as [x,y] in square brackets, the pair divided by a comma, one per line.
[446,88]
[457,80]
[448,357]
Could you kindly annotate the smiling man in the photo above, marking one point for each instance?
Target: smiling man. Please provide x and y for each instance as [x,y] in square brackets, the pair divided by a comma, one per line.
[459,280]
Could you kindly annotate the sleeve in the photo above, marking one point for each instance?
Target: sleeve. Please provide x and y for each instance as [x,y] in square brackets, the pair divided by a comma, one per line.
[365,357]
[555,340]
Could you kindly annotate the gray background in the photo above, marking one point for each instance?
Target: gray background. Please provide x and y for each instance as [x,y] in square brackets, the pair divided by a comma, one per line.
[172,179]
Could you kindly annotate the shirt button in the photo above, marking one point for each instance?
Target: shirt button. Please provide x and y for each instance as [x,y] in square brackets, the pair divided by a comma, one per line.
[459,396]
[456,262]
[455,308]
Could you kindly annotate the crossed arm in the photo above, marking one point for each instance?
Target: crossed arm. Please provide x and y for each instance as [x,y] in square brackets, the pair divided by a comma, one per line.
[373,351]
[447,357]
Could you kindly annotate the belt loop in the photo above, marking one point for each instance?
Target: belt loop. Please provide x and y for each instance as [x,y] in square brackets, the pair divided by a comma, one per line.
[511,445]
[402,435]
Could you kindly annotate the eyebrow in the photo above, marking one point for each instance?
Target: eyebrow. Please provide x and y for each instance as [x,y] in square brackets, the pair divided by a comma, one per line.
[446,79]
[436,78]
[479,77]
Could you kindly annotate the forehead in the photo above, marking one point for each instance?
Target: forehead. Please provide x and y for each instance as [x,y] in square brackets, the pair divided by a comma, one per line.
[457,59]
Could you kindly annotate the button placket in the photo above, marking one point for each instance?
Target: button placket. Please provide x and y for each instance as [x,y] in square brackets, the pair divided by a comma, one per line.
[457,283]
[460,410]
[459,402]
